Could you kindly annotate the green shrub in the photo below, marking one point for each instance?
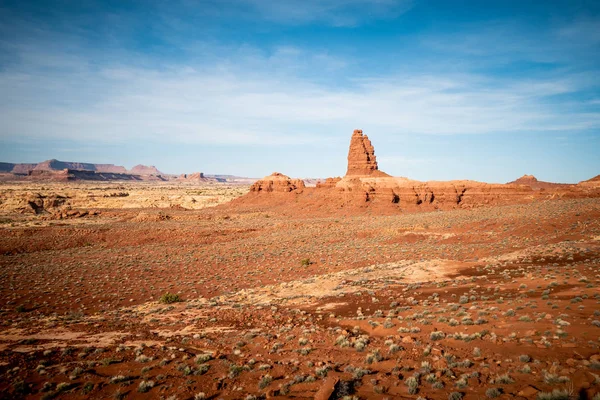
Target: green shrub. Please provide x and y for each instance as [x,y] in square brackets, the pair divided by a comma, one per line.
[169,298]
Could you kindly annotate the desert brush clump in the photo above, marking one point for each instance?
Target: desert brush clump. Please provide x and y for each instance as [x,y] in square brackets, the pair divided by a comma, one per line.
[455,396]
[169,298]
[375,356]
[322,371]
[119,379]
[556,394]
[503,379]
[437,335]
[202,358]
[265,381]
[145,386]
[413,384]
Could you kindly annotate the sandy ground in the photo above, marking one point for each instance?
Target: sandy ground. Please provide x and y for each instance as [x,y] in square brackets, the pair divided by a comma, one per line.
[497,302]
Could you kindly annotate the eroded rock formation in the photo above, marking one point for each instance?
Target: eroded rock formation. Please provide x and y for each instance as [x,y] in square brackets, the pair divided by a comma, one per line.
[366,188]
[277,183]
[361,156]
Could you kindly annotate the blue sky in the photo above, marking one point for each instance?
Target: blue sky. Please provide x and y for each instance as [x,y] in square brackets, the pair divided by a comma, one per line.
[484,90]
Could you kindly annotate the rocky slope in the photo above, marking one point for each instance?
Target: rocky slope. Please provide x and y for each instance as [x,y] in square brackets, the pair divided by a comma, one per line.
[590,183]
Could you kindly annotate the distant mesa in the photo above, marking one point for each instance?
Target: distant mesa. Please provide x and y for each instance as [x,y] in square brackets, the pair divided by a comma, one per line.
[366,188]
[56,165]
[194,177]
[64,171]
[145,170]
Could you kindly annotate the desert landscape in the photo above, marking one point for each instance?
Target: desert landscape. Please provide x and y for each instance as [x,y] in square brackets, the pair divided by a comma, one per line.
[365,286]
[300,199]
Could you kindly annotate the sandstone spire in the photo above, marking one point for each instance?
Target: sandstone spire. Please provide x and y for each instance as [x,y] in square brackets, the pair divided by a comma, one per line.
[361,156]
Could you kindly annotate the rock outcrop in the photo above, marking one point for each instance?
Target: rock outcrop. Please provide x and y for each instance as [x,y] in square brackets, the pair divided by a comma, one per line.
[365,188]
[278,183]
[361,156]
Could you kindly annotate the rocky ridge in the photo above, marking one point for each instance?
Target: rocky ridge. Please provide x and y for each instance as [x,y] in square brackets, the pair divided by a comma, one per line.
[365,187]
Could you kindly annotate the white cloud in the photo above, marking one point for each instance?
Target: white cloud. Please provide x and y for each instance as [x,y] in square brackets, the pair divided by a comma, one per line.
[285,95]
[191,105]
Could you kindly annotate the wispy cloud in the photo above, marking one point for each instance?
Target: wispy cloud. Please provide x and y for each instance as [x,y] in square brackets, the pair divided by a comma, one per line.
[503,42]
[249,103]
[342,13]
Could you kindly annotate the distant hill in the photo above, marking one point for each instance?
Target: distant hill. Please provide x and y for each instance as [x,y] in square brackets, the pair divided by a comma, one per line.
[145,170]
[532,182]
[56,170]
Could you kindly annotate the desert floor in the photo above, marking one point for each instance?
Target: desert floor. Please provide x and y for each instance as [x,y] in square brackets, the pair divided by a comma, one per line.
[496,302]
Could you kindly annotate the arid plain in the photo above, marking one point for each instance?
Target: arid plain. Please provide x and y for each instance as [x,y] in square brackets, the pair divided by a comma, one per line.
[366,286]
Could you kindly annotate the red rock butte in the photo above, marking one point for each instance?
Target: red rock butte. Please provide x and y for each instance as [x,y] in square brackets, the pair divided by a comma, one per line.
[365,188]
[361,156]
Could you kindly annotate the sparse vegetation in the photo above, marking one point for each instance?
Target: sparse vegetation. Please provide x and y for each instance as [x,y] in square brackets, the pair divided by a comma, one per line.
[169,298]
[381,308]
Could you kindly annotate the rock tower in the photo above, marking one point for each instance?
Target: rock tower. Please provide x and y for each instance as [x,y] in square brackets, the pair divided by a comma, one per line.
[361,156]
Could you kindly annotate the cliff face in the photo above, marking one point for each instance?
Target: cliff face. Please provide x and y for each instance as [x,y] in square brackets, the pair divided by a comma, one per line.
[365,188]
